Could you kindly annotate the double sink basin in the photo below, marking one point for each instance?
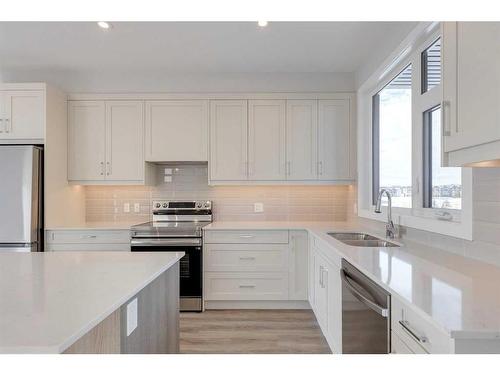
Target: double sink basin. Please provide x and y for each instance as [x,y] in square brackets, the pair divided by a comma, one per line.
[361,239]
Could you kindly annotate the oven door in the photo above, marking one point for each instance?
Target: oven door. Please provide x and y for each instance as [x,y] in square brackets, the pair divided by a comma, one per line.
[190,265]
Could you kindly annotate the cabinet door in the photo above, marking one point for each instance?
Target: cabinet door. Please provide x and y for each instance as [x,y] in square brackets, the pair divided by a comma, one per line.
[334,140]
[321,291]
[3,123]
[302,139]
[124,141]
[176,130]
[228,140]
[86,140]
[311,274]
[477,50]
[266,140]
[24,115]
[298,266]
[334,307]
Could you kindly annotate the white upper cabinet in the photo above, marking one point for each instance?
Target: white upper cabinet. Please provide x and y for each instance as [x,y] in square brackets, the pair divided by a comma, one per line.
[302,139]
[228,140]
[471,92]
[124,141]
[176,130]
[334,140]
[266,140]
[22,115]
[86,140]
[105,142]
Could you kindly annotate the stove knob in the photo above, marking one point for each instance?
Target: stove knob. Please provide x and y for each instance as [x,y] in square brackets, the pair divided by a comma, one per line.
[165,205]
[157,205]
[198,205]
[205,204]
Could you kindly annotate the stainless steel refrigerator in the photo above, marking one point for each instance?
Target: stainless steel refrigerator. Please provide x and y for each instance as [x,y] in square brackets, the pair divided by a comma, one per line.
[21,198]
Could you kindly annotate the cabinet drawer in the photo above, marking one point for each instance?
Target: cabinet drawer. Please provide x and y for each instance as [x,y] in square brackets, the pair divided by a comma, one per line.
[247,236]
[398,346]
[416,331]
[221,286]
[87,247]
[88,236]
[246,257]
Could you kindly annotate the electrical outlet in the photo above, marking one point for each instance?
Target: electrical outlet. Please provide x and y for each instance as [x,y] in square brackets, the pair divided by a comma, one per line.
[258,207]
[167,178]
[137,207]
[126,207]
[168,171]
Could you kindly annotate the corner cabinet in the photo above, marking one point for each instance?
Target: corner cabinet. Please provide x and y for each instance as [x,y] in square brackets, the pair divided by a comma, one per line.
[22,115]
[273,141]
[471,93]
[105,142]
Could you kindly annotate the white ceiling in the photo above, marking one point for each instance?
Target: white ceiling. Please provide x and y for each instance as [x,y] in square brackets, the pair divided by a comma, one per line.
[194,47]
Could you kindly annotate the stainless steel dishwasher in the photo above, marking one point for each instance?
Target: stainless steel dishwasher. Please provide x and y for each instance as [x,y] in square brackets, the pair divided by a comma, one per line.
[366,321]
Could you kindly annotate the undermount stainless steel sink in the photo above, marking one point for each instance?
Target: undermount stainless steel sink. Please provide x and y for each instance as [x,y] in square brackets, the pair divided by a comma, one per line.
[361,239]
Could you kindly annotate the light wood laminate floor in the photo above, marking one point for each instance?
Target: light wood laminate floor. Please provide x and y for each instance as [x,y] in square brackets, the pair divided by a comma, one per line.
[251,331]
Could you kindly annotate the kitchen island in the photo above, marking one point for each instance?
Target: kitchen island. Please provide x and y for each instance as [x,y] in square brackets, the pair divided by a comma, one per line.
[89,302]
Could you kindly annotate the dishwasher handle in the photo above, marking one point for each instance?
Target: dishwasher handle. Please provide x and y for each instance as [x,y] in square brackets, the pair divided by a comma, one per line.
[367,302]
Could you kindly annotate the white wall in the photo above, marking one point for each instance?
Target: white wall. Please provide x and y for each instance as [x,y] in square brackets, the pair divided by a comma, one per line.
[129,81]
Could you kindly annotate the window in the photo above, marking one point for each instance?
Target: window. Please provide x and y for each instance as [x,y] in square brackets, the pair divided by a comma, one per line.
[431,66]
[392,142]
[442,187]
[399,144]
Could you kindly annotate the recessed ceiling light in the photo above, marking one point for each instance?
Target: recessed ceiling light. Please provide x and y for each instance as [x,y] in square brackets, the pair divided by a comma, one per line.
[262,23]
[104,25]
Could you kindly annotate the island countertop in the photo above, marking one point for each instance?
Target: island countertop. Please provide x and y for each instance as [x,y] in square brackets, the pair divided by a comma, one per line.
[50,300]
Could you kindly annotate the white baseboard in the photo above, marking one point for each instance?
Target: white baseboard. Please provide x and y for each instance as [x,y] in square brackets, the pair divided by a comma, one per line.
[258,305]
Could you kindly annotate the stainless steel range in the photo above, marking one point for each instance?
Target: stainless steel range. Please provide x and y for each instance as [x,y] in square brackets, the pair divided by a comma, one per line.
[177,226]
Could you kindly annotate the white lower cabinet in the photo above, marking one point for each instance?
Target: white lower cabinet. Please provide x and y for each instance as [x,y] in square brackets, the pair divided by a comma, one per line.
[398,346]
[419,334]
[326,289]
[246,286]
[87,240]
[255,265]
[298,267]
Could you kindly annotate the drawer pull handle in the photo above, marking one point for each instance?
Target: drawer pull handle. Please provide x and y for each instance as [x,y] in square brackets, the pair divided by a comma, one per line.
[246,236]
[89,236]
[247,286]
[406,326]
[247,258]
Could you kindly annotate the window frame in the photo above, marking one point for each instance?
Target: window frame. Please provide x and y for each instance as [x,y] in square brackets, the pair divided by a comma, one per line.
[429,219]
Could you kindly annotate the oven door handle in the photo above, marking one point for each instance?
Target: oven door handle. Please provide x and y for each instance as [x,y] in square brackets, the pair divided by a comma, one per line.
[370,304]
[165,242]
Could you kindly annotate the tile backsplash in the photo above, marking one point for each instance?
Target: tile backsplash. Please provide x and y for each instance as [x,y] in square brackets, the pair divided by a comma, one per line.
[190,182]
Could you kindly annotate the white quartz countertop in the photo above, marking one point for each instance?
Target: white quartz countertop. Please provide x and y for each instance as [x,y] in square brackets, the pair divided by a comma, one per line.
[459,294]
[49,300]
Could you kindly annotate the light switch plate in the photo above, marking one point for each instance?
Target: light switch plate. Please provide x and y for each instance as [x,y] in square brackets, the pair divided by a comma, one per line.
[258,207]
[137,207]
[126,207]
[131,316]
